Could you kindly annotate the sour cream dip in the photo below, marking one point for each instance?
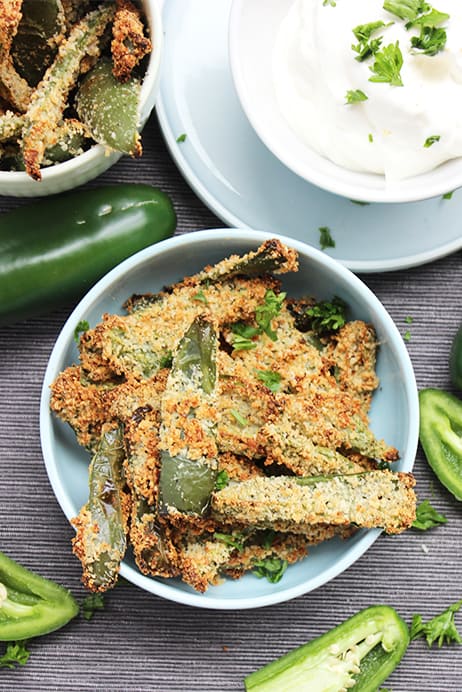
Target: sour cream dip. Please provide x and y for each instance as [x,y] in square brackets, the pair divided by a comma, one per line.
[398,131]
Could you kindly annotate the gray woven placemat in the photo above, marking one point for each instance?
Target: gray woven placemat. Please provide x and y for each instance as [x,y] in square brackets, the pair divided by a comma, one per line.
[141,642]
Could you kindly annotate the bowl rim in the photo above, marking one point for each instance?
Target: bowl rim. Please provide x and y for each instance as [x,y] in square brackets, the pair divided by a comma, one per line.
[162,587]
[98,151]
[331,180]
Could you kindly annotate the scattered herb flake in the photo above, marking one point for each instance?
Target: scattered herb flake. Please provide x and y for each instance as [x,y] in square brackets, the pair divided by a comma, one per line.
[200,296]
[387,65]
[430,41]
[182,137]
[370,137]
[266,312]
[270,379]
[441,629]
[407,335]
[272,568]
[82,326]
[409,319]
[359,203]
[329,3]
[239,417]
[325,238]
[16,654]
[367,46]
[448,195]
[431,140]
[327,316]
[234,540]
[405,9]
[355,96]
[222,480]
[92,602]
[427,517]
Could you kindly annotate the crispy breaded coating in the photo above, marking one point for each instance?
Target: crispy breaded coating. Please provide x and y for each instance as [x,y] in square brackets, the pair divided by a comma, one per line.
[49,98]
[82,404]
[373,499]
[238,468]
[129,44]
[141,342]
[13,88]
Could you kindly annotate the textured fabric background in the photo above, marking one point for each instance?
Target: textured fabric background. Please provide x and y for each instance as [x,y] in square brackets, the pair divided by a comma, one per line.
[141,642]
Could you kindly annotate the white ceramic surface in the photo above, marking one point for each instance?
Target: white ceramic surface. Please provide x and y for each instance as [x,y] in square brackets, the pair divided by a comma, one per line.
[94,161]
[252,32]
[230,169]
[394,412]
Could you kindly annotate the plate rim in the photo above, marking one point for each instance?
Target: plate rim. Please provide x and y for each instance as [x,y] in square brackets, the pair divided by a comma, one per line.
[225,214]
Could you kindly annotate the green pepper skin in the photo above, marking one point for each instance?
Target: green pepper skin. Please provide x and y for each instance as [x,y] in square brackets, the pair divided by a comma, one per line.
[455,361]
[373,641]
[53,250]
[29,604]
[441,436]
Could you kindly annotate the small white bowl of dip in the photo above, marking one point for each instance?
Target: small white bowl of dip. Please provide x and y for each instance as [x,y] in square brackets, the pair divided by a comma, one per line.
[293,64]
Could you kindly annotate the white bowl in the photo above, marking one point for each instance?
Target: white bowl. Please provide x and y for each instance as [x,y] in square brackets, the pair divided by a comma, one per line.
[94,161]
[394,413]
[253,29]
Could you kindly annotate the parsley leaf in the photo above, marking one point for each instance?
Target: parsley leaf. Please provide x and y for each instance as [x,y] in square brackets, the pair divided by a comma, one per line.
[430,41]
[407,335]
[409,319]
[270,379]
[355,96]
[448,195]
[431,20]
[427,517]
[431,140]
[200,296]
[222,480]
[441,628]
[271,567]
[387,65]
[182,137]
[268,310]
[325,238]
[239,417]
[16,653]
[406,9]
[367,46]
[330,3]
[235,540]
[92,602]
[243,335]
[327,316]
[82,326]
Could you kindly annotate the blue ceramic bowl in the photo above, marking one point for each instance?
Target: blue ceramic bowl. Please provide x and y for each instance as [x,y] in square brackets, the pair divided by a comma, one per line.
[394,412]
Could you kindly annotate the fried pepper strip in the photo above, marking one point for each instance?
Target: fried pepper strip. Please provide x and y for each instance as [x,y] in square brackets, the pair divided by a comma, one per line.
[49,99]
[101,525]
[13,88]
[129,44]
[379,499]
[189,418]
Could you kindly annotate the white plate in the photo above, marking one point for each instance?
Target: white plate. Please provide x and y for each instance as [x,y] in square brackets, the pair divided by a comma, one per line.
[239,179]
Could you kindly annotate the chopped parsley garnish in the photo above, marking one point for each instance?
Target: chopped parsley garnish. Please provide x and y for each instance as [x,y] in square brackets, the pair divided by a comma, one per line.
[234,540]
[430,19]
[355,96]
[265,313]
[243,335]
[182,137]
[441,629]
[409,319]
[222,480]
[94,601]
[329,3]
[448,195]
[407,335]
[370,137]
[272,568]
[82,326]
[327,316]
[431,40]
[427,517]
[16,654]
[431,140]
[270,379]
[166,360]
[200,296]
[367,46]
[387,65]
[406,9]
[239,417]
[359,203]
[325,238]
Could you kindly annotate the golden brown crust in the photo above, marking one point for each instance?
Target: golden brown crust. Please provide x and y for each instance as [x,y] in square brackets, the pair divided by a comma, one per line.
[129,44]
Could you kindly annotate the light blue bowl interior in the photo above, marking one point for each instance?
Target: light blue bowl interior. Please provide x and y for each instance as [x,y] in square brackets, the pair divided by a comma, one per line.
[394,412]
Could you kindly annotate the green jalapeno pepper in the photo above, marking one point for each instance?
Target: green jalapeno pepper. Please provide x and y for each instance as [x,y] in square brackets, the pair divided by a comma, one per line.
[55,249]
[359,654]
[441,436]
[31,605]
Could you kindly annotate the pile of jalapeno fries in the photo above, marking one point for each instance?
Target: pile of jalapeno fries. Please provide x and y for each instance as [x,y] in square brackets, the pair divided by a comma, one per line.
[228,427]
[69,77]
